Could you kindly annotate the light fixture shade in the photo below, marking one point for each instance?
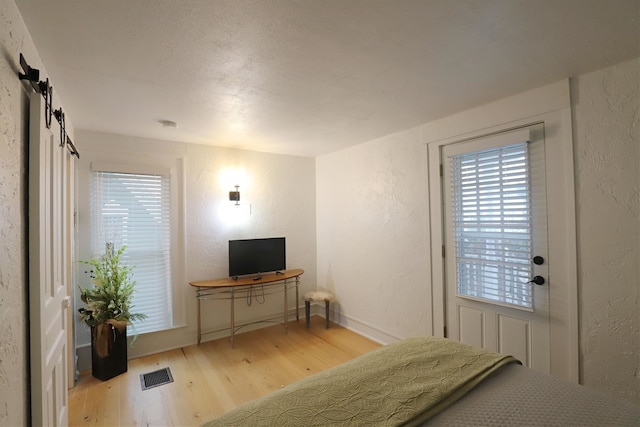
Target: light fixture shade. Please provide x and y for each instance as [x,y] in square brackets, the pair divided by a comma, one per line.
[234,196]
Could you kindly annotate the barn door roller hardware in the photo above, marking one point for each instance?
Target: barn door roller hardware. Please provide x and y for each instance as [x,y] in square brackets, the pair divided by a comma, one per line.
[72,148]
[41,87]
[63,130]
[64,137]
[31,74]
[46,90]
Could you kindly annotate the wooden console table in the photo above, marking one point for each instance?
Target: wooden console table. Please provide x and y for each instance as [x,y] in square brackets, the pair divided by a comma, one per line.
[229,289]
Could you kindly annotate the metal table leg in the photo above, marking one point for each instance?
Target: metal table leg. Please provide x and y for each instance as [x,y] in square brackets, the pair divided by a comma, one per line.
[198,315]
[233,325]
[286,309]
[297,300]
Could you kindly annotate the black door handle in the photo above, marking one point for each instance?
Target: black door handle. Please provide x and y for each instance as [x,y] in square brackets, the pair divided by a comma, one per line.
[538,280]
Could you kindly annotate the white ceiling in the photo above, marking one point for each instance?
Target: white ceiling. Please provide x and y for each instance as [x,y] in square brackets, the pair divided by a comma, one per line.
[308,77]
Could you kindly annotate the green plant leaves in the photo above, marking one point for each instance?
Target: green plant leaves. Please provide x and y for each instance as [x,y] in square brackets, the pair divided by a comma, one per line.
[110,299]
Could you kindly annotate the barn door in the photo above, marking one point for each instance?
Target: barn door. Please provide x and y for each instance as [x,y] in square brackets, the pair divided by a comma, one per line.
[49,260]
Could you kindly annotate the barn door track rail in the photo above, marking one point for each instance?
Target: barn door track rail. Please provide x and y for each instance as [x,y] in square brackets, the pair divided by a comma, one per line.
[46,90]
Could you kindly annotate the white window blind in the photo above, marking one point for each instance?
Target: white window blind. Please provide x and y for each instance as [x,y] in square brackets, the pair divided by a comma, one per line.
[492,224]
[134,210]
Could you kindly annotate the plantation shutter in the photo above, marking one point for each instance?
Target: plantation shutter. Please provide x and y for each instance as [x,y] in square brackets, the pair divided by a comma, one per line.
[491,224]
[134,210]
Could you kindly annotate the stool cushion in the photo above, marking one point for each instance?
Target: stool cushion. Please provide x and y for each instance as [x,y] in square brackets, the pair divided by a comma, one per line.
[318,296]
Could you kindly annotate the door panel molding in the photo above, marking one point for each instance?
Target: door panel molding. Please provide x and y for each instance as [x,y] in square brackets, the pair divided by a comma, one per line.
[511,328]
[472,325]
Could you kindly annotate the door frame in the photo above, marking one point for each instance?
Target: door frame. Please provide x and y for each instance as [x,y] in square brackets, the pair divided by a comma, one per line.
[552,106]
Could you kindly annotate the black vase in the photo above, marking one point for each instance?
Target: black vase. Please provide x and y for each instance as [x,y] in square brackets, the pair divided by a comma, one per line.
[108,351]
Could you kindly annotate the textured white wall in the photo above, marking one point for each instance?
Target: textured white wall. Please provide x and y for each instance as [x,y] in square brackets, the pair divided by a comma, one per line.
[606,115]
[14,112]
[373,247]
[281,193]
[13,311]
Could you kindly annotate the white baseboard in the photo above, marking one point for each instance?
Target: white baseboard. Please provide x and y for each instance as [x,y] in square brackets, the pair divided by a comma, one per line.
[355,325]
[83,357]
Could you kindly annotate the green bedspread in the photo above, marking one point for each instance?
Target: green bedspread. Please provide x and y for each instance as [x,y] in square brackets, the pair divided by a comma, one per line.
[404,383]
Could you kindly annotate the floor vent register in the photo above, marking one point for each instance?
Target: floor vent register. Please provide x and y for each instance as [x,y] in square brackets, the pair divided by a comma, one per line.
[156,378]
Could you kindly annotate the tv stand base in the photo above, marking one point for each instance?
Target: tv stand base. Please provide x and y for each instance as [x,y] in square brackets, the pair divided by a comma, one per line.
[234,287]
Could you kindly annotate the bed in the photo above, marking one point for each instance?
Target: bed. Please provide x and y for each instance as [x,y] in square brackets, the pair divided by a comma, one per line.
[432,382]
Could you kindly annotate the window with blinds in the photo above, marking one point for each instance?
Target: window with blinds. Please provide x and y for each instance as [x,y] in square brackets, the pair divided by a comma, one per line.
[135,210]
[491,200]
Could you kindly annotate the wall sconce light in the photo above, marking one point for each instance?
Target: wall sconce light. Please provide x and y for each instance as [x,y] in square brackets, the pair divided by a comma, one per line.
[234,196]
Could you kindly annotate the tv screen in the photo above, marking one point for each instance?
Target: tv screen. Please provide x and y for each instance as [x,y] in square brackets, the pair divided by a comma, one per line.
[255,256]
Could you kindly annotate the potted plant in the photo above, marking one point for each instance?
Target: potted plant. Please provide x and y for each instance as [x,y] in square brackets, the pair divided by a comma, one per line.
[108,312]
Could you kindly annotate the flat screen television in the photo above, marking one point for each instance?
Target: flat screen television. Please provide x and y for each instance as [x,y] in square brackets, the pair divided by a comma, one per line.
[255,256]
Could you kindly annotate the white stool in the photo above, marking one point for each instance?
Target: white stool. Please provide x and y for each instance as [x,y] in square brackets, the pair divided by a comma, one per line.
[317,296]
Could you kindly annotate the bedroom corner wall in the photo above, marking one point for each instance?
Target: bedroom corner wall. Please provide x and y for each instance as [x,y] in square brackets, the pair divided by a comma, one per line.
[373,246]
[606,117]
[373,231]
[280,191]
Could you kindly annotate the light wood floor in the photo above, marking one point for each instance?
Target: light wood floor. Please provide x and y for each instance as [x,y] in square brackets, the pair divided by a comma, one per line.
[212,378]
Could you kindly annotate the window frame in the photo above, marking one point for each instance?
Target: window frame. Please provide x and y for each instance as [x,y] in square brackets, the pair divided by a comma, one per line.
[174,168]
[489,148]
[130,223]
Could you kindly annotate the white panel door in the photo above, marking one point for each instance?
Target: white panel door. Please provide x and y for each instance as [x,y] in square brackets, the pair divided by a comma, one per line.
[516,322]
[48,266]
